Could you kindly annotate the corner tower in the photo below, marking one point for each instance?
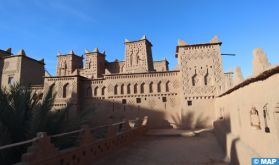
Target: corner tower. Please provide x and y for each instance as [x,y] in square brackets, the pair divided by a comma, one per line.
[68,63]
[94,64]
[201,68]
[138,56]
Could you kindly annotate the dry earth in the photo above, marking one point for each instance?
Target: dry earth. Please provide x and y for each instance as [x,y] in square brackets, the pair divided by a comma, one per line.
[169,149]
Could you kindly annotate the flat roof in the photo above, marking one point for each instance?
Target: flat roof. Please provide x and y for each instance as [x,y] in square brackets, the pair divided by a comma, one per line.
[196,45]
[119,74]
[138,41]
[11,56]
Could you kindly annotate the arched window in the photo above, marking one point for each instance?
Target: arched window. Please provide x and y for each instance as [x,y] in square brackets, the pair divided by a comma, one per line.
[194,79]
[89,92]
[128,88]
[254,118]
[65,68]
[103,90]
[136,88]
[167,86]
[159,87]
[115,89]
[137,59]
[65,64]
[151,87]
[131,59]
[89,64]
[96,91]
[206,78]
[66,90]
[122,89]
[142,88]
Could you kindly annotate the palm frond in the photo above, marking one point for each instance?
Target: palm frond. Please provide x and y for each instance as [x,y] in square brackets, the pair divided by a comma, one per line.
[40,113]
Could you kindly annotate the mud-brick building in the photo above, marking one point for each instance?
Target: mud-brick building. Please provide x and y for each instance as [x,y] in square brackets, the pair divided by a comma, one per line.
[135,86]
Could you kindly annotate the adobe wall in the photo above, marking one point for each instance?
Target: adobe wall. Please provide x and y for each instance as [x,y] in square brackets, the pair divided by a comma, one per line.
[67,92]
[37,90]
[202,78]
[197,112]
[111,98]
[94,65]
[247,118]
[88,145]
[32,72]
[68,63]
[11,68]
[138,56]
[116,66]
[160,66]
[132,88]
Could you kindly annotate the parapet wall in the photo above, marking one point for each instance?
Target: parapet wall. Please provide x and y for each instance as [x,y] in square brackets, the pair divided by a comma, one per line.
[247,118]
[91,144]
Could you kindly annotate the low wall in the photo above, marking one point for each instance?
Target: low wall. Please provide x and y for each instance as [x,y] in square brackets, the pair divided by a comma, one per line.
[43,152]
[247,118]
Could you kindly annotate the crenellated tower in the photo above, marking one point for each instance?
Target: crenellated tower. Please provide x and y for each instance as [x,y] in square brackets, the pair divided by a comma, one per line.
[138,56]
[68,63]
[94,64]
[201,68]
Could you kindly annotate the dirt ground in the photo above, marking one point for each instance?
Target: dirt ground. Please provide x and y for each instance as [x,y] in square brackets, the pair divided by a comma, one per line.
[169,149]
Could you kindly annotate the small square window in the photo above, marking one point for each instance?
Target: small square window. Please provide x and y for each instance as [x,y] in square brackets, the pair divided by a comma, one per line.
[138,100]
[164,99]
[189,103]
[124,101]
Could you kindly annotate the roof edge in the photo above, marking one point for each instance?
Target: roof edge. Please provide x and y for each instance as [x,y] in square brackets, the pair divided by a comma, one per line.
[263,76]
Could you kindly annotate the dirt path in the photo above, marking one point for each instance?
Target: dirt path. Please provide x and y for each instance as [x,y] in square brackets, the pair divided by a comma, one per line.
[201,149]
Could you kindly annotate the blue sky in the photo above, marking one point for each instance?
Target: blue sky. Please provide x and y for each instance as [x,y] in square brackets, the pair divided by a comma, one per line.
[44,27]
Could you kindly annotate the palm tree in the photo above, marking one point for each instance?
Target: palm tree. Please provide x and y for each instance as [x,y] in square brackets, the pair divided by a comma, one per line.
[23,114]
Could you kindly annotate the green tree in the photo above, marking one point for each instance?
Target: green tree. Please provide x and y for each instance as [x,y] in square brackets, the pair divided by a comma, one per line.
[23,114]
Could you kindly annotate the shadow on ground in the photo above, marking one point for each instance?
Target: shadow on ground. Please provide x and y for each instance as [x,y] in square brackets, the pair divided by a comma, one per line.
[201,149]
